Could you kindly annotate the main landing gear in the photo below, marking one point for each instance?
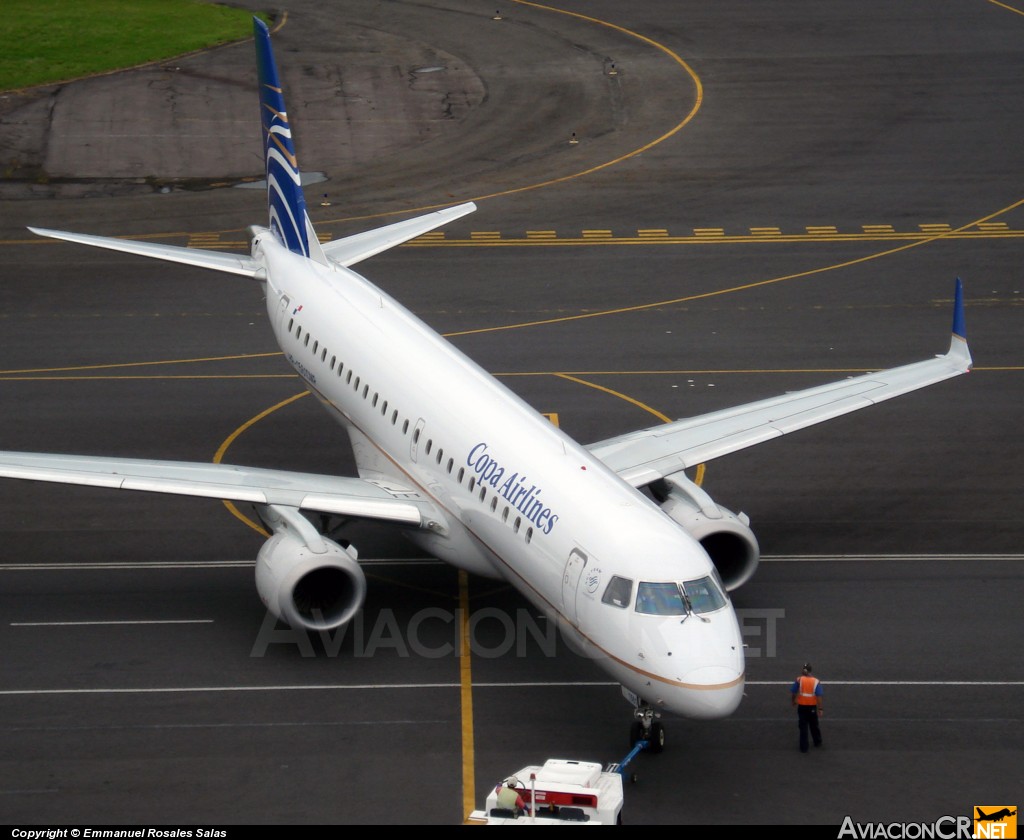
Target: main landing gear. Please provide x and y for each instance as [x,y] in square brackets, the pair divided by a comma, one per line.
[646,727]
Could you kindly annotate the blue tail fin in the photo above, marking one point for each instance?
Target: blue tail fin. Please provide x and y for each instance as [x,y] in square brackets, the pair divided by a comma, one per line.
[285,203]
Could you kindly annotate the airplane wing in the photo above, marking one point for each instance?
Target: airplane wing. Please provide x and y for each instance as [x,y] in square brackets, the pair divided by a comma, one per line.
[360,246]
[650,454]
[307,491]
[231,263]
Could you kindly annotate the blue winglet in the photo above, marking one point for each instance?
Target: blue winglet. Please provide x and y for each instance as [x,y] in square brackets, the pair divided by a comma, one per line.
[959,353]
[959,326]
[285,203]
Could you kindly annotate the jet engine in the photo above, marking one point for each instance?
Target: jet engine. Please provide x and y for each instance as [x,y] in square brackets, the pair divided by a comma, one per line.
[724,535]
[305,579]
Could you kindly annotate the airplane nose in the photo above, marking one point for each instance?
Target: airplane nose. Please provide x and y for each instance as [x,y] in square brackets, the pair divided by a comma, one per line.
[713,691]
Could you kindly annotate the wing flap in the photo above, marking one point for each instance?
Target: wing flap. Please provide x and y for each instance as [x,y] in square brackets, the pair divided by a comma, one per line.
[307,491]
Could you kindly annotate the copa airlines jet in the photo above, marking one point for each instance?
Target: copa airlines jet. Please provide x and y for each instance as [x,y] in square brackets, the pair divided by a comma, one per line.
[639,581]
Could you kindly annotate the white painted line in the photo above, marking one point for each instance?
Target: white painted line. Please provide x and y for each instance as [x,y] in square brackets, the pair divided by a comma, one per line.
[224,689]
[185,564]
[934,683]
[829,558]
[452,685]
[428,561]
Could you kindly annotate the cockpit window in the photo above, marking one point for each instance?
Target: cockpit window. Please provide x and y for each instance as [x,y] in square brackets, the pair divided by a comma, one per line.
[703,595]
[618,592]
[659,599]
[719,582]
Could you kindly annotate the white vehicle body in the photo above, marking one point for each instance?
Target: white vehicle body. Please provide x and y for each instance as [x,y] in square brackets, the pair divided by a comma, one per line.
[475,475]
[560,792]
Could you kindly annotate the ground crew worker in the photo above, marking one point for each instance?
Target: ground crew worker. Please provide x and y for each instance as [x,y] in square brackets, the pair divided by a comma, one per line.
[806,692]
[509,797]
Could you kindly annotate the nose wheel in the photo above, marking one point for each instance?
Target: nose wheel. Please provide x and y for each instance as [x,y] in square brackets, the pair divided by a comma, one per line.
[646,727]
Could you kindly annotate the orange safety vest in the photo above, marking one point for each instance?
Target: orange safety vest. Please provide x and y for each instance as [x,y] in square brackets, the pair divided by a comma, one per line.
[806,686]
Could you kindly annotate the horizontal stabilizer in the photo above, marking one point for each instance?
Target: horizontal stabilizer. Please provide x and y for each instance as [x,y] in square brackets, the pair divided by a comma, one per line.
[230,263]
[353,249]
[306,491]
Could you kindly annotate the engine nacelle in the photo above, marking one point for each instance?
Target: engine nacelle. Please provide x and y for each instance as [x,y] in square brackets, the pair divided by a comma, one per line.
[725,536]
[310,585]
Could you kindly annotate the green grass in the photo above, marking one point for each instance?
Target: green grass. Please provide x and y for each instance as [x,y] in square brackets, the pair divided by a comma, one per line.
[56,40]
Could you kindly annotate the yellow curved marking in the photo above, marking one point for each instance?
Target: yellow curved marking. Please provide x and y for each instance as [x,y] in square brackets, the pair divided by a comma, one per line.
[280,24]
[744,287]
[230,439]
[114,365]
[621,396]
[699,99]
[699,477]
[996,3]
[147,377]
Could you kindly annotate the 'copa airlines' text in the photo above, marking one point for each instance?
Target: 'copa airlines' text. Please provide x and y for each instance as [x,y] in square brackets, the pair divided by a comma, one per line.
[522,495]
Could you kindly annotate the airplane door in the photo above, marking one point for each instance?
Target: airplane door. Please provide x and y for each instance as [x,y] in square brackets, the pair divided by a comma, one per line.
[570,580]
[282,309]
[417,433]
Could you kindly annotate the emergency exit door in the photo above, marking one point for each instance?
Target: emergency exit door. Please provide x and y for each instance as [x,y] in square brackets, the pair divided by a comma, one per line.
[570,582]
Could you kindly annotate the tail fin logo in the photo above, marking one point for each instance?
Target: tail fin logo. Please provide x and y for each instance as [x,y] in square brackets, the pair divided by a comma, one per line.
[285,202]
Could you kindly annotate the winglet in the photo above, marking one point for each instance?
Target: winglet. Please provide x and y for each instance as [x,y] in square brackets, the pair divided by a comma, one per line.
[958,350]
[286,204]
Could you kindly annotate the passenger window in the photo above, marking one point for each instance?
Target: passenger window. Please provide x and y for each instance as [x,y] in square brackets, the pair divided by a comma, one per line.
[619,592]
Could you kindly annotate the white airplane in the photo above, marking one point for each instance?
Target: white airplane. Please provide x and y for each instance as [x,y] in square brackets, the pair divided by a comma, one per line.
[475,476]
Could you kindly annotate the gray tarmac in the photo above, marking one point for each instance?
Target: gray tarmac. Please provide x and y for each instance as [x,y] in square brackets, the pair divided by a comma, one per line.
[762,197]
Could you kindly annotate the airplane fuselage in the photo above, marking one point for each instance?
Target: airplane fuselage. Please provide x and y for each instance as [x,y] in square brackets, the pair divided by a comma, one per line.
[510,495]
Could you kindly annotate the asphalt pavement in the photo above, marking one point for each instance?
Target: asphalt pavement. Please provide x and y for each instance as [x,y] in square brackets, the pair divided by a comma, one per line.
[759,198]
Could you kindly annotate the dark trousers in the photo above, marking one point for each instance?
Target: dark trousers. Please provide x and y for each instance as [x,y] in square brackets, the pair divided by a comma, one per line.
[807,717]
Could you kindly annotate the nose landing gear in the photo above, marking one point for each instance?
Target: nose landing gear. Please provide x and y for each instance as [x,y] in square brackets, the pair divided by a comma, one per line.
[647,727]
